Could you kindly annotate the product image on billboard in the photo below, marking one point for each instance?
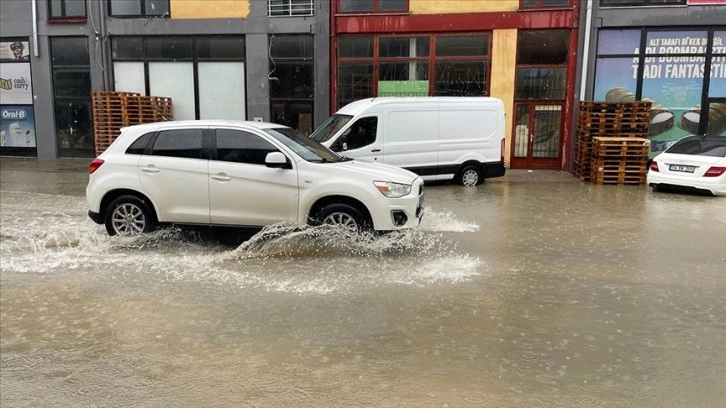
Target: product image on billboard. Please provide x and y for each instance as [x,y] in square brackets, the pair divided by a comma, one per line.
[17,126]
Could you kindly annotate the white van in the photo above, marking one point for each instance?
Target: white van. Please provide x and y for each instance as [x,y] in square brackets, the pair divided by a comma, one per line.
[439,138]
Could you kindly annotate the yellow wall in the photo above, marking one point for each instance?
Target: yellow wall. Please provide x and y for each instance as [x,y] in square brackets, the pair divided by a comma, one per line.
[460,6]
[504,59]
[209,8]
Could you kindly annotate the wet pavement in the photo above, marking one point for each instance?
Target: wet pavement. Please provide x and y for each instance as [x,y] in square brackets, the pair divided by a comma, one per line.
[532,290]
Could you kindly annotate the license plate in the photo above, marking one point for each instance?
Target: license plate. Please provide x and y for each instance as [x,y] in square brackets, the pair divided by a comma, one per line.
[681,168]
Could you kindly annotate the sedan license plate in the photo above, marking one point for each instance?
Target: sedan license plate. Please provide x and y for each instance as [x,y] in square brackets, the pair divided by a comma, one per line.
[682,168]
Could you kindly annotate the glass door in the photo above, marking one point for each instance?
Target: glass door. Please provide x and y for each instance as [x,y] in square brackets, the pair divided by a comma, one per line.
[537,135]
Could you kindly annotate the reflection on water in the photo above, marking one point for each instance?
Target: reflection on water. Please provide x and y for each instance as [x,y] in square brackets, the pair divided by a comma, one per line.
[530,291]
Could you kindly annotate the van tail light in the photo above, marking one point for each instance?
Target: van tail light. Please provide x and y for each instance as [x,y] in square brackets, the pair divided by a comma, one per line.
[95,164]
[715,171]
[654,166]
[502,151]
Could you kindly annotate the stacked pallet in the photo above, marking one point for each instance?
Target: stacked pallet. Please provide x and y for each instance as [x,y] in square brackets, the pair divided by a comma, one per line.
[114,110]
[619,160]
[607,120]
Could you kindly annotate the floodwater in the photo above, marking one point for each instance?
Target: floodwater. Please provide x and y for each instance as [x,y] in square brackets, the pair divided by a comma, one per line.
[532,290]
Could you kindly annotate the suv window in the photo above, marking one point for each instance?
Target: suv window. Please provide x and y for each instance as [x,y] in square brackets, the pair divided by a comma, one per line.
[179,143]
[139,146]
[242,147]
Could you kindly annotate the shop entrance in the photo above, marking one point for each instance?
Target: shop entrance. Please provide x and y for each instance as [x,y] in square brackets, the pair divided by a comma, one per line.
[72,96]
[537,135]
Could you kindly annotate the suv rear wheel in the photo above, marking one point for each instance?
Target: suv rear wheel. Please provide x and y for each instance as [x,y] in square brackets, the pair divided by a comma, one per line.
[127,216]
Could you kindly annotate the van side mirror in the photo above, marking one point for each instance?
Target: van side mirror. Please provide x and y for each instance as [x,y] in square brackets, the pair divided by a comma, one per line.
[345,146]
[277,160]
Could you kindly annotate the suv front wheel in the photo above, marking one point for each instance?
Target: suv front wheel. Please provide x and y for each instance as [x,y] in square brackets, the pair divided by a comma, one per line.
[342,215]
[127,216]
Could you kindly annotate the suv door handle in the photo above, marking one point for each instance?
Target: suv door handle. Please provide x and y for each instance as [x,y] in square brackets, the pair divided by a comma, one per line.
[221,177]
[150,169]
[375,150]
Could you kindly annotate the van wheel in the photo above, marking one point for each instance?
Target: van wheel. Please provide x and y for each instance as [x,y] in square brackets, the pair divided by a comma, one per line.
[128,216]
[469,176]
[342,215]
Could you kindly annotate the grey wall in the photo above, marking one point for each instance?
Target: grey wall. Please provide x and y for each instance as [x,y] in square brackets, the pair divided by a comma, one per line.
[16,21]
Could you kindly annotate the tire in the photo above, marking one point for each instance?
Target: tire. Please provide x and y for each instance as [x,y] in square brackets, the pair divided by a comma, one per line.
[342,215]
[129,216]
[469,176]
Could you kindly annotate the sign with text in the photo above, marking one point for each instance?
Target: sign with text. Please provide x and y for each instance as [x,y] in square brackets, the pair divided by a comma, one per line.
[15,84]
[17,126]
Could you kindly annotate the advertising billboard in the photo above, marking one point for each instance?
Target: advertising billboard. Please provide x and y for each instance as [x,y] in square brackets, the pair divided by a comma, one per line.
[17,126]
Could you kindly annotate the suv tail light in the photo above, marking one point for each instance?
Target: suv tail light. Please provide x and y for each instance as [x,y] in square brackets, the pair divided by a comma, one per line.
[715,171]
[654,166]
[95,164]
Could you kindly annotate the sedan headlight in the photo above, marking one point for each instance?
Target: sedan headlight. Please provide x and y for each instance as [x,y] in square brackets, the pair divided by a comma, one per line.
[392,190]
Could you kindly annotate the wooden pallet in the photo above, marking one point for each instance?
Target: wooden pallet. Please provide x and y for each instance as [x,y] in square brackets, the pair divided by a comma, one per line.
[630,147]
[114,110]
[618,170]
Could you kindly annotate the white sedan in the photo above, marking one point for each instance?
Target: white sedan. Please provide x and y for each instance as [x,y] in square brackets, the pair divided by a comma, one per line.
[694,162]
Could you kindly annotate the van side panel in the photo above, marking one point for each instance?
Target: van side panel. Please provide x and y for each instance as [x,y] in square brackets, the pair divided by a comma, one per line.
[466,134]
[411,137]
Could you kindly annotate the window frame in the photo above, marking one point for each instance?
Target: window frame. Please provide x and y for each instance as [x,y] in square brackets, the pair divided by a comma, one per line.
[142,5]
[642,3]
[288,6]
[63,17]
[431,59]
[376,8]
[539,6]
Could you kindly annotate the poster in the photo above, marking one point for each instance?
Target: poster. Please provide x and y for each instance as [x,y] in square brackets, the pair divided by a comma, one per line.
[17,126]
[673,77]
[14,51]
[15,84]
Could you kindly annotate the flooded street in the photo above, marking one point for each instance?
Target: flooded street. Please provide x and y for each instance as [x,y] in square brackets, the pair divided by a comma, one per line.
[531,290]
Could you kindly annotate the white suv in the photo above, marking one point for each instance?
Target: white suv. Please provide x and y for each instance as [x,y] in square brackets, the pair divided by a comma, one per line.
[242,174]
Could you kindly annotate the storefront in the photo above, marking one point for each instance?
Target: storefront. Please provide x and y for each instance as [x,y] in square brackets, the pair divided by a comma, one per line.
[681,71]
[521,51]
[17,115]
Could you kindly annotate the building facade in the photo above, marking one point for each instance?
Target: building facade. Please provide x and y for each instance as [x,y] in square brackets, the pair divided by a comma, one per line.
[522,51]
[223,59]
[669,52]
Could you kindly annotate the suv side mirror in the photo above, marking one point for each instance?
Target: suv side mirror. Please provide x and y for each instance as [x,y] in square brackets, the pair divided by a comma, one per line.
[277,160]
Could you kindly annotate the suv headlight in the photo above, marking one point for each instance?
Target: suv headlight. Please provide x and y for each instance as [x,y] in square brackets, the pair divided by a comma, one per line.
[392,190]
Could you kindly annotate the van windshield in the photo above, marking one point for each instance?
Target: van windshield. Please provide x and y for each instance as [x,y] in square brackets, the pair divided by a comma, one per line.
[330,127]
[309,150]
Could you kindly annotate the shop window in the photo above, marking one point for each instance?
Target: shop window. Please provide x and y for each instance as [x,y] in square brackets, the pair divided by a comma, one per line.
[70,64]
[355,47]
[403,69]
[630,3]
[186,69]
[372,6]
[291,81]
[289,8]
[355,81]
[541,64]
[462,65]
[537,4]
[67,9]
[139,8]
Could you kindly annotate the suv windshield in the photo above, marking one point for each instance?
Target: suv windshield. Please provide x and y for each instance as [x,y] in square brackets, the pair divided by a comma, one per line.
[330,127]
[699,145]
[307,148]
